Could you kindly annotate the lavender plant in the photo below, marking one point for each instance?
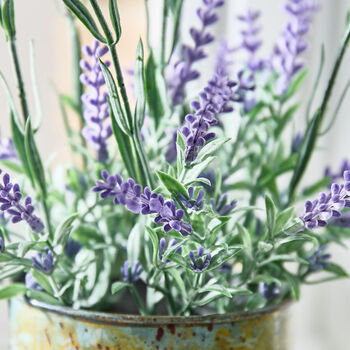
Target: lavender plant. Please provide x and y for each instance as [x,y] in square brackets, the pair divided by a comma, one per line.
[209,231]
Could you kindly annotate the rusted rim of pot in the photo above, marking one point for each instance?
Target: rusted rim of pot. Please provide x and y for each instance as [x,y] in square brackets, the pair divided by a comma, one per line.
[155,321]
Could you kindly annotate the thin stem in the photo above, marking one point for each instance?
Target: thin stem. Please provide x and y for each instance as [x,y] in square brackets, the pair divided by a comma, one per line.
[163,37]
[172,306]
[138,300]
[47,218]
[20,83]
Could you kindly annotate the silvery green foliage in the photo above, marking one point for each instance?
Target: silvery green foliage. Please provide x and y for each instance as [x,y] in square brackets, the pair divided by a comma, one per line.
[210,232]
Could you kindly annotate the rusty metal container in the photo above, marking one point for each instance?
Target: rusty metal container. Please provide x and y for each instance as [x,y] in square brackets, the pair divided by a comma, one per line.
[38,326]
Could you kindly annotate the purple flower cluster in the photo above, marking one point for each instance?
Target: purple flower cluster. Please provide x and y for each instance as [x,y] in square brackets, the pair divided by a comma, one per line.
[327,205]
[44,263]
[269,291]
[96,110]
[214,100]
[130,194]
[192,202]
[201,37]
[162,246]
[31,282]
[286,55]
[7,149]
[200,263]
[319,260]
[10,202]
[220,205]
[297,142]
[131,274]
[223,62]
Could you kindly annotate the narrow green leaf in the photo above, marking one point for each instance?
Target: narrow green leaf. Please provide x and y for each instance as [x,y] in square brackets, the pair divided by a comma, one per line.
[10,271]
[293,283]
[43,280]
[155,242]
[210,297]
[193,173]
[83,14]
[171,184]
[34,160]
[114,100]
[12,166]
[140,87]
[255,301]
[175,274]
[12,290]
[43,297]
[336,269]
[210,148]
[270,215]
[282,219]
[118,286]
[215,288]
[296,83]
[8,19]
[115,19]
[222,257]
[63,230]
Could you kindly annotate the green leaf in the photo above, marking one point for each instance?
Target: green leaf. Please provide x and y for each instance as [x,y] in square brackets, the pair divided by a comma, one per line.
[171,184]
[293,283]
[63,230]
[255,301]
[193,173]
[34,160]
[336,269]
[296,83]
[10,271]
[283,258]
[8,19]
[79,9]
[140,87]
[220,258]
[155,242]
[43,297]
[283,218]
[135,242]
[215,288]
[12,166]
[97,9]
[115,19]
[12,290]
[19,143]
[175,274]
[270,215]
[124,145]
[317,187]
[155,105]
[210,148]
[118,286]
[118,113]
[210,297]
[43,280]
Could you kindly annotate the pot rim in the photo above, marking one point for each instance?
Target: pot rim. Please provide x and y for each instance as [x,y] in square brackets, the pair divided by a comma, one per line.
[154,320]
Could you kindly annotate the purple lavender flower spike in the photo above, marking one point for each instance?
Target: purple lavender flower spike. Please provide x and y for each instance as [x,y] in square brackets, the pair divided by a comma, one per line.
[223,61]
[72,248]
[7,149]
[162,248]
[31,282]
[291,45]
[318,212]
[201,263]
[130,194]
[10,202]
[193,203]
[297,142]
[2,244]
[44,263]
[215,99]
[221,207]
[250,41]
[269,291]
[131,274]
[318,261]
[201,37]
[95,102]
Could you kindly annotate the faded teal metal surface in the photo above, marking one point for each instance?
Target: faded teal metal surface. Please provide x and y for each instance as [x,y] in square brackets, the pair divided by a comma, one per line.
[39,326]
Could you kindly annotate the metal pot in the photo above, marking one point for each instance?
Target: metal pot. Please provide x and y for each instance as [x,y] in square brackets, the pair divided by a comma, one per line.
[39,326]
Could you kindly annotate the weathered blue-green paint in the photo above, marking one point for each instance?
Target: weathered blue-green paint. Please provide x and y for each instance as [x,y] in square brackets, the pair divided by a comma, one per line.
[39,326]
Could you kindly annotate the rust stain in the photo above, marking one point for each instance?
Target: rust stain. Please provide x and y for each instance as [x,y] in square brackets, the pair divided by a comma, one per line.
[171,328]
[160,333]
[47,336]
[210,327]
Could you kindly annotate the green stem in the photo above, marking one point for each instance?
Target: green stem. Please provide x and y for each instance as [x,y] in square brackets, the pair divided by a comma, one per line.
[172,306]
[20,83]
[47,218]
[138,300]
[163,36]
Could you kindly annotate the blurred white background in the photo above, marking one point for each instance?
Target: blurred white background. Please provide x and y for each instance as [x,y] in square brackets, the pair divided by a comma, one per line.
[320,321]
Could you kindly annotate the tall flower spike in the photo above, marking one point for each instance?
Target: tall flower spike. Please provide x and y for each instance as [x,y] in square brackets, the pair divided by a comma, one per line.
[291,45]
[202,262]
[215,99]
[192,202]
[318,212]
[130,194]
[96,112]
[201,37]
[10,203]
[131,274]
[319,260]
[220,205]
